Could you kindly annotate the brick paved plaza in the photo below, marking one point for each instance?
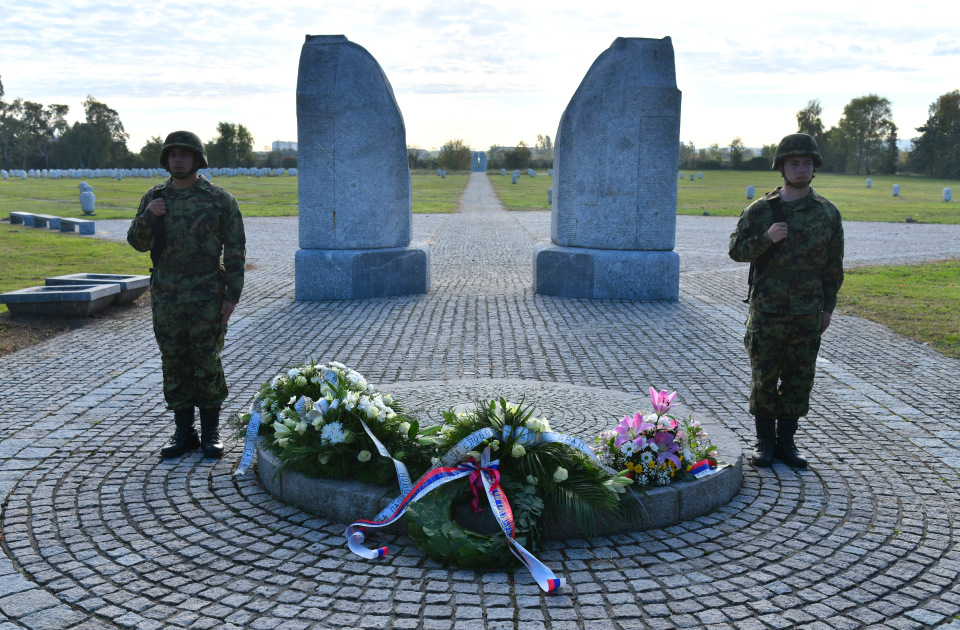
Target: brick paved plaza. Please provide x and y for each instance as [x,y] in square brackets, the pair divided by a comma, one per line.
[98,532]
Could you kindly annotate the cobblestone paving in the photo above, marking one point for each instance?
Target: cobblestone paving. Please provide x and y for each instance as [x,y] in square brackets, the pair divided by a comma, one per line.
[97,532]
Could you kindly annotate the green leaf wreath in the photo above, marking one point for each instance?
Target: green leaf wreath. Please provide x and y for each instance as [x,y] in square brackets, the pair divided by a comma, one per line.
[545,481]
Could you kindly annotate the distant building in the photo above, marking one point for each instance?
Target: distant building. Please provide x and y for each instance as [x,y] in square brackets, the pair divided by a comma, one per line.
[280,145]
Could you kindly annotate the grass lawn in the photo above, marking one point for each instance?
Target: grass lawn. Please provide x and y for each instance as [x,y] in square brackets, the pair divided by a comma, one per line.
[723,193]
[257,196]
[29,255]
[919,301]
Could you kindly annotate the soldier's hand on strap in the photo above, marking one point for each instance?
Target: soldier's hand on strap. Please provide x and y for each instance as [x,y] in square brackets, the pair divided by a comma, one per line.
[777,232]
[158,207]
[226,309]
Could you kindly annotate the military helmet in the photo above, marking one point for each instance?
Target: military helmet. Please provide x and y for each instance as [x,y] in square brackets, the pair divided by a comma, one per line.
[797,144]
[184,139]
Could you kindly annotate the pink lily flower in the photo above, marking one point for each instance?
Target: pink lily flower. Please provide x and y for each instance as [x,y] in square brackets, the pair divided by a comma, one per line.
[662,401]
[667,448]
[631,428]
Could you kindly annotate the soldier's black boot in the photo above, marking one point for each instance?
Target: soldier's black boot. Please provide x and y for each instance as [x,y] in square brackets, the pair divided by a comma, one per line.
[184,438]
[786,448]
[766,442]
[209,433]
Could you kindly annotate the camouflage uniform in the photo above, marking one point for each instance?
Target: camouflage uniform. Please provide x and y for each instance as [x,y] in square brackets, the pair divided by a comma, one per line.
[788,298]
[188,284]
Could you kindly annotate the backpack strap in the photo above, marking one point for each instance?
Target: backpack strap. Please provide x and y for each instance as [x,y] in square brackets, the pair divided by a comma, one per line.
[159,233]
[757,267]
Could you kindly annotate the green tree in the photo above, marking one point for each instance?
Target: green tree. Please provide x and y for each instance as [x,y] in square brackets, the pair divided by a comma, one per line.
[518,157]
[936,151]
[736,152]
[808,119]
[232,147]
[150,153]
[455,155]
[865,131]
[99,142]
[544,146]
[688,153]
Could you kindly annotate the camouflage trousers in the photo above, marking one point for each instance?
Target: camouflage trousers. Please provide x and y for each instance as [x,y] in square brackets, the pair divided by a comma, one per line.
[783,361]
[190,337]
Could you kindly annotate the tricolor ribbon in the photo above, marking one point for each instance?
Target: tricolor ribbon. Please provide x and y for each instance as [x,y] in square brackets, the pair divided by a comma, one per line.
[443,473]
[250,442]
[703,468]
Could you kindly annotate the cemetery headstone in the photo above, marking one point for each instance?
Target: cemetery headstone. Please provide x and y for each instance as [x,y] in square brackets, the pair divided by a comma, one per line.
[947,194]
[896,190]
[750,192]
[503,171]
[613,221]
[513,179]
[691,177]
[346,107]
[869,182]
[88,202]
[699,174]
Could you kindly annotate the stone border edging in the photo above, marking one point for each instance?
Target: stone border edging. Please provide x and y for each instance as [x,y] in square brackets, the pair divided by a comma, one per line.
[344,501]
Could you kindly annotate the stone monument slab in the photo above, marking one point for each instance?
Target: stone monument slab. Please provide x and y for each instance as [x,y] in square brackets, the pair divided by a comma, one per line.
[353,179]
[615,162]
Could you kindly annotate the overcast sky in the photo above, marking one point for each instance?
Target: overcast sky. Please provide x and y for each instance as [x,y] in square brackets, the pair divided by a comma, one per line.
[489,73]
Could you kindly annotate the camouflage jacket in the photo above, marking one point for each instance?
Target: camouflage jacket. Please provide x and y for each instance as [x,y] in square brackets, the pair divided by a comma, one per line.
[202,222]
[805,271]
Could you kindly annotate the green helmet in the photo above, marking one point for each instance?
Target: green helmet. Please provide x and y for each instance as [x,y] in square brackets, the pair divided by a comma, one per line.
[797,144]
[184,139]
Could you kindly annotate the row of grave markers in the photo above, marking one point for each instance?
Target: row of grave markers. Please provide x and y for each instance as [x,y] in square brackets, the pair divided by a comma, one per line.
[120,173]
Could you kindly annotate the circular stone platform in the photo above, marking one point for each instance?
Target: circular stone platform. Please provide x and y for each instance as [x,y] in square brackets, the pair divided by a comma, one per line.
[574,410]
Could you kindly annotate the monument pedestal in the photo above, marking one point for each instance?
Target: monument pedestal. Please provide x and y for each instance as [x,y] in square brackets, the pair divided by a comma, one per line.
[606,274]
[351,274]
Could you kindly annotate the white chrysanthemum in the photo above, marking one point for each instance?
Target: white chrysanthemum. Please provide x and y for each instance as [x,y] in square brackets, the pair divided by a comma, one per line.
[364,456]
[560,474]
[350,400]
[647,458]
[333,433]
[628,448]
[338,365]
[294,373]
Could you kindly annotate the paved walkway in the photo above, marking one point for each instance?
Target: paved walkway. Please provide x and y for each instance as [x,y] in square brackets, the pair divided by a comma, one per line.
[97,532]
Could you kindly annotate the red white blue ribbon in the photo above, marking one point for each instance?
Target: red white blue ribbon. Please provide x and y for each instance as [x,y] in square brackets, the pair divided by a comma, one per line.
[442,474]
[703,468]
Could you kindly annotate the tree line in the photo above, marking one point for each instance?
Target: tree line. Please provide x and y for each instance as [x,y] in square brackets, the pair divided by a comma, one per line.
[35,136]
[864,140]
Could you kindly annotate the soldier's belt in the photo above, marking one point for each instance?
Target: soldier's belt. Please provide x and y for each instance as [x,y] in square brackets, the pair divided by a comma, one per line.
[190,266]
[791,275]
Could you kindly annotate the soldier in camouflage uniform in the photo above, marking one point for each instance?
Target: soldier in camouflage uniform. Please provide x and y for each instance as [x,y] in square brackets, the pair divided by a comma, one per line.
[796,271]
[186,223]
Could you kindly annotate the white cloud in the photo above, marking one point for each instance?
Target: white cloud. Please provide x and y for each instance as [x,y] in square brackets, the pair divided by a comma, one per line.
[483,71]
